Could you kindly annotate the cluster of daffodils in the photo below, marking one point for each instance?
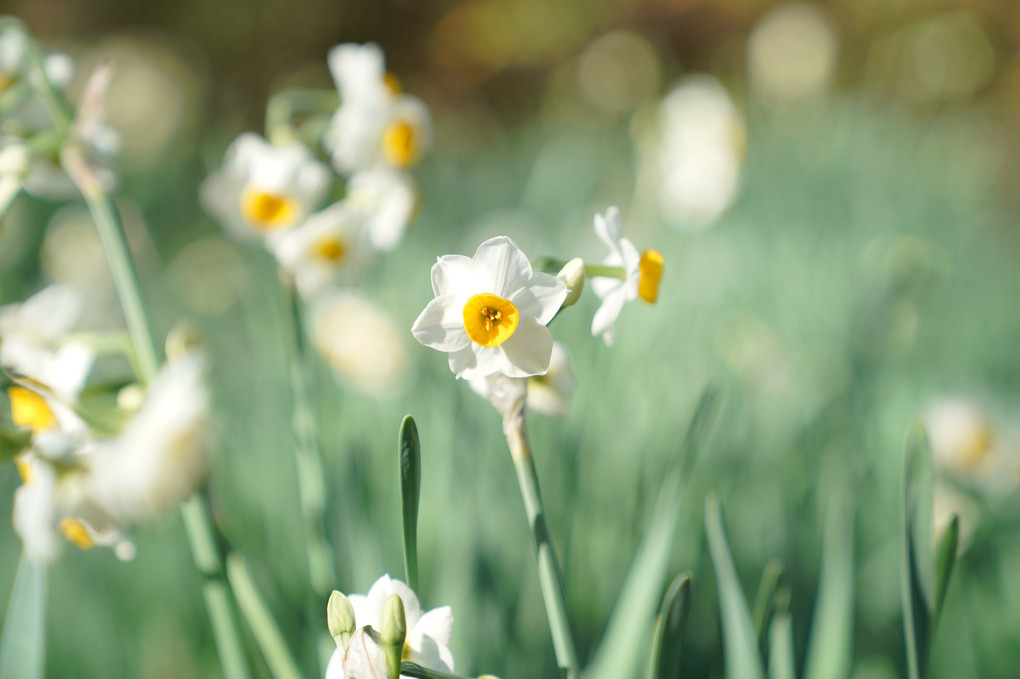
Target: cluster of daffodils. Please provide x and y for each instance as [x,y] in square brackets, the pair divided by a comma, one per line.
[34,126]
[491,314]
[275,193]
[374,633]
[90,473]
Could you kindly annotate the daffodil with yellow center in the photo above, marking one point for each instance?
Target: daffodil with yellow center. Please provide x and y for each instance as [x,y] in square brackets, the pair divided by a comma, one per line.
[490,312]
[624,274]
[326,249]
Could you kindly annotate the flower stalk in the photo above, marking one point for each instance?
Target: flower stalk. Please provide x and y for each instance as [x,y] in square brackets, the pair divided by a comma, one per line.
[549,576]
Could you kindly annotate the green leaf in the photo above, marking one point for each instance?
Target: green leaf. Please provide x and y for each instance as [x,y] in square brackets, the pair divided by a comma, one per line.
[917,558]
[781,662]
[831,644]
[741,643]
[763,600]
[409,453]
[23,638]
[670,625]
[945,559]
[625,645]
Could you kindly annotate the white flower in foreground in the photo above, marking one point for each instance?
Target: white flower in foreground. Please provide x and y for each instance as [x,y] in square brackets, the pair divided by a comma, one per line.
[490,312]
[360,342]
[387,199]
[426,643]
[642,273]
[31,331]
[262,190]
[161,456]
[326,249]
[374,124]
[549,393]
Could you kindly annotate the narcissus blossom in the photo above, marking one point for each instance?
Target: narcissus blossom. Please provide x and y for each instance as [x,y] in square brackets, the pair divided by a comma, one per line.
[326,249]
[641,273]
[262,190]
[376,125]
[426,643]
[388,200]
[490,312]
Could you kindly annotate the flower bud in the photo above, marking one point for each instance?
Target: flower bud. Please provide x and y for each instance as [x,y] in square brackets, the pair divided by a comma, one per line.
[572,274]
[394,629]
[340,619]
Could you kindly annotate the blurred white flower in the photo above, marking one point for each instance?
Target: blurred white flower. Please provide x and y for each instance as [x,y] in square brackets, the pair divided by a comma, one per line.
[262,190]
[375,124]
[490,312]
[360,342]
[791,54]
[699,153]
[326,249]
[426,644]
[161,456]
[641,274]
[549,393]
[387,199]
[962,438]
[14,165]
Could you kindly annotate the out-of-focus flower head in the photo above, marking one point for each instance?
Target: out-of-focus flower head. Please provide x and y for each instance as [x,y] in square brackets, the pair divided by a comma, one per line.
[426,642]
[263,190]
[490,312]
[962,438]
[641,274]
[360,342]
[326,249]
[375,124]
[698,153]
[387,199]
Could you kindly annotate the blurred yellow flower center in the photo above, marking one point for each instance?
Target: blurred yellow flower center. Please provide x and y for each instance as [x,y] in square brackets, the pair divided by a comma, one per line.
[401,144]
[976,447]
[393,83]
[651,274]
[76,532]
[268,211]
[24,468]
[331,249]
[29,409]
[489,319]
[5,82]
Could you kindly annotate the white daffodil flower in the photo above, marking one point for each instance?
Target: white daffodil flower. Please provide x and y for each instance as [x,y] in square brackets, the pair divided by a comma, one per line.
[374,124]
[962,438]
[388,200]
[326,249]
[360,342]
[490,312]
[426,643]
[32,330]
[642,273]
[549,393]
[262,190]
[161,456]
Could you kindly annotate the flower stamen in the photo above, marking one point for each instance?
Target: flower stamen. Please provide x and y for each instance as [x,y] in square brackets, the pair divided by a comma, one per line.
[401,144]
[267,211]
[330,249]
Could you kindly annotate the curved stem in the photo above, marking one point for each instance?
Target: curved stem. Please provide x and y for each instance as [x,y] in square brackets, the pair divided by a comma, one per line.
[549,577]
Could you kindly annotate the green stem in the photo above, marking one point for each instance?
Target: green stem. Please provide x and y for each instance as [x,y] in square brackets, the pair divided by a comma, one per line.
[549,577]
[311,473]
[197,521]
[603,271]
[260,620]
[58,107]
[410,669]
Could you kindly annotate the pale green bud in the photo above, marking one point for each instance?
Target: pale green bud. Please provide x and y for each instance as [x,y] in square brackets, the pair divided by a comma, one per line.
[340,619]
[394,630]
[572,274]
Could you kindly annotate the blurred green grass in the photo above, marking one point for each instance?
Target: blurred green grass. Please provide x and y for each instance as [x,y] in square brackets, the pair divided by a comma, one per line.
[866,268]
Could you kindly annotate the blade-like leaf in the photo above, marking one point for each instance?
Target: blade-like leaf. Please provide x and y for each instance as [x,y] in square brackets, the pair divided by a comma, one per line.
[23,638]
[741,643]
[670,624]
[625,646]
[763,600]
[945,559]
[917,558]
[831,643]
[781,663]
[409,452]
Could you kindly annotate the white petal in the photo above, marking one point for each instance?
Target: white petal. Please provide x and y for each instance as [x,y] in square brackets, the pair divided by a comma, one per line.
[607,313]
[607,228]
[486,361]
[457,275]
[463,361]
[433,655]
[52,312]
[529,349]
[364,658]
[381,591]
[541,298]
[335,666]
[436,623]
[441,325]
[359,602]
[506,266]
